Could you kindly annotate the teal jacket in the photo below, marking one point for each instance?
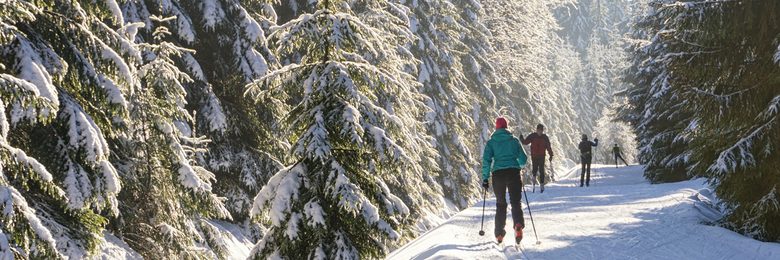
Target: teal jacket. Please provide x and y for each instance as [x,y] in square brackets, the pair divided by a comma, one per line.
[502,151]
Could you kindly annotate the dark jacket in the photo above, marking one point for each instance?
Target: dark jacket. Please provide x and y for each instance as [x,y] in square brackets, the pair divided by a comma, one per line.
[586,147]
[539,144]
[502,151]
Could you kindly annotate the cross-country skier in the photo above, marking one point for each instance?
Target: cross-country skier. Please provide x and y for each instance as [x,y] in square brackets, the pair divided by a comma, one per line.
[586,156]
[539,144]
[503,158]
[618,154]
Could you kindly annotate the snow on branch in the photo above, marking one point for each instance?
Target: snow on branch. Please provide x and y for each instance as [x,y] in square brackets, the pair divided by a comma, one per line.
[213,13]
[12,203]
[352,199]
[769,202]
[739,155]
[113,6]
[24,99]
[342,31]
[28,162]
[31,68]
[184,26]
[85,137]
[772,110]
[277,195]
[777,55]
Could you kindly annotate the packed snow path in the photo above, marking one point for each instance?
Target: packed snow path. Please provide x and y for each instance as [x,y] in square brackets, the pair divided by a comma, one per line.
[620,216]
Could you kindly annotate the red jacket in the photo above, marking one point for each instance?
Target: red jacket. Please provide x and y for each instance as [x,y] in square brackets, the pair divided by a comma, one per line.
[539,143]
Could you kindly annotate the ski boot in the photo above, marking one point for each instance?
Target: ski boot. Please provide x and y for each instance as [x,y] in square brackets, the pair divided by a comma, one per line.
[518,233]
[500,237]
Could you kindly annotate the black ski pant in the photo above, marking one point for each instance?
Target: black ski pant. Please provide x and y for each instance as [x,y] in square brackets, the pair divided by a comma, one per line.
[621,158]
[538,167]
[503,180]
[585,173]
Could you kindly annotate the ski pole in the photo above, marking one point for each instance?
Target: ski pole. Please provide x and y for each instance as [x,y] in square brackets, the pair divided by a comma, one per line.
[552,173]
[482,226]
[528,205]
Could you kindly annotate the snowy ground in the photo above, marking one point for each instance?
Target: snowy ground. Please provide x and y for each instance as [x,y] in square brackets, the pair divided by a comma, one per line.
[620,216]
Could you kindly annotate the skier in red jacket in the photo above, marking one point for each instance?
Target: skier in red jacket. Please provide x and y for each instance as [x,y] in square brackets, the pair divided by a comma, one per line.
[539,144]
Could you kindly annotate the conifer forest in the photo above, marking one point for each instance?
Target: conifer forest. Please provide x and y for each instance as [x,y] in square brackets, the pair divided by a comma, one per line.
[343,129]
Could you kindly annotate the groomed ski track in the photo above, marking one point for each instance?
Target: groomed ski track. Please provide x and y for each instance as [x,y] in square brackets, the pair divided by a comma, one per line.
[620,216]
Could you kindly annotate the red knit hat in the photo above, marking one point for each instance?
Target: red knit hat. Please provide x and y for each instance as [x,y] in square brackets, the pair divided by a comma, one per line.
[500,123]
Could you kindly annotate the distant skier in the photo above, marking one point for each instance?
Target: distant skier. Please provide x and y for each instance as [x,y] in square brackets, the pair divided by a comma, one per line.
[618,155]
[503,158]
[586,156]
[539,144]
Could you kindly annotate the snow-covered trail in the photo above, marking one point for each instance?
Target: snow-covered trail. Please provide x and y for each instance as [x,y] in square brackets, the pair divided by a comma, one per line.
[620,216]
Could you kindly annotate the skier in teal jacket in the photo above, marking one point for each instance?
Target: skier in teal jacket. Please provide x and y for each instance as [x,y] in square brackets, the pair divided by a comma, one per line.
[503,158]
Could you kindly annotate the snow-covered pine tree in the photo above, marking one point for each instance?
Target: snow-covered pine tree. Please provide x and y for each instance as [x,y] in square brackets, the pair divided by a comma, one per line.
[592,92]
[611,131]
[585,22]
[421,192]
[657,115]
[576,23]
[230,51]
[351,121]
[22,233]
[596,29]
[167,201]
[67,54]
[536,68]
[479,71]
[450,118]
[724,57]
[564,67]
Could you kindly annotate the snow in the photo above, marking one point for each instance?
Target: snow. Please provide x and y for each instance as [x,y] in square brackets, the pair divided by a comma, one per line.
[193,66]
[251,28]
[130,31]
[115,95]
[237,244]
[77,186]
[5,249]
[314,213]
[190,179]
[292,226]
[4,127]
[32,69]
[620,216]
[84,133]
[280,191]
[31,162]
[183,23]
[123,69]
[113,6]
[777,55]
[216,118]
[12,200]
[212,13]
[115,248]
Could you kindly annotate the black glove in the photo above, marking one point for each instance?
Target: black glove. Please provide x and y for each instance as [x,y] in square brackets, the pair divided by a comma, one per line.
[597,140]
[485,184]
